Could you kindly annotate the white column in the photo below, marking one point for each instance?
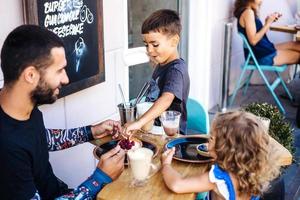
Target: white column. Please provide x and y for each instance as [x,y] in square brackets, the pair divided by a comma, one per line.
[199,50]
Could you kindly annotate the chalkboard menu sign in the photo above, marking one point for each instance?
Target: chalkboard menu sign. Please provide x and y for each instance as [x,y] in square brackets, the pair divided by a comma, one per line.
[80,24]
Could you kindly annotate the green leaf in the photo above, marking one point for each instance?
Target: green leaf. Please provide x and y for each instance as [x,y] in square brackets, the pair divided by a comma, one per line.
[280,129]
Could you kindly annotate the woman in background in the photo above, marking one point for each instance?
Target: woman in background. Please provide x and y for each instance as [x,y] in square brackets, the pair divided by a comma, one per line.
[249,24]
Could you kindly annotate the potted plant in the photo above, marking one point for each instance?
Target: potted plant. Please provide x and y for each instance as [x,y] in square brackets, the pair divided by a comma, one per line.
[279,128]
[281,131]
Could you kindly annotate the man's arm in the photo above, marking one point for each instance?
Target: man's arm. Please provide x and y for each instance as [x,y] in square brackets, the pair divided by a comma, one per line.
[59,139]
[109,168]
[87,190]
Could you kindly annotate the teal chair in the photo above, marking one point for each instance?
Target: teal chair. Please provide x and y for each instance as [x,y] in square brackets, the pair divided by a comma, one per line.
[197,122]
[251,65]
[197,117]
[202,196]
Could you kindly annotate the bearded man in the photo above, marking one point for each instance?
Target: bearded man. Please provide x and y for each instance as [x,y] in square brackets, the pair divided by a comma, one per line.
[33,64]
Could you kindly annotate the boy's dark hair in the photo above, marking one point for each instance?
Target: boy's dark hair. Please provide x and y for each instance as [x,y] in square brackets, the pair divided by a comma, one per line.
[27,45]
[164,20]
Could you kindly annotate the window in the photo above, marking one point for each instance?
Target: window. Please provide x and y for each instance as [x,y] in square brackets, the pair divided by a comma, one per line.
[138,75]
[138,11]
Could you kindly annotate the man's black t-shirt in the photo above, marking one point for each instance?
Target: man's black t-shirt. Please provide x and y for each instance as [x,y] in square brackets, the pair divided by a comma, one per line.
[25,167]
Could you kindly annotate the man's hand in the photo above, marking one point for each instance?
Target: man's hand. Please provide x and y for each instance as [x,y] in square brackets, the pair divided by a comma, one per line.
[166,157]
[112,162]
[108,127]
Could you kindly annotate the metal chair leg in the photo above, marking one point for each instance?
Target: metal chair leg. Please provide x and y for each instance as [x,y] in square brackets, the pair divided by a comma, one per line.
[285,87]
[237,86]
[295,71]
[248,82]
[272,91]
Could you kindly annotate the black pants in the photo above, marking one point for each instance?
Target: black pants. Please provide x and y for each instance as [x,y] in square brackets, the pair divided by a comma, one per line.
[276,191]
[298,117]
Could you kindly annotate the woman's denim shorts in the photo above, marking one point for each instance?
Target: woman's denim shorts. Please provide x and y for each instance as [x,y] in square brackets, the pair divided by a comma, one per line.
[267,60]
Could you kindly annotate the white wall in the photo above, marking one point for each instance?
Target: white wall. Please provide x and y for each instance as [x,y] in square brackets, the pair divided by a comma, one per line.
[198,47]
[207,19]
[224,10]
[293,4]
[11,20]
[87,106]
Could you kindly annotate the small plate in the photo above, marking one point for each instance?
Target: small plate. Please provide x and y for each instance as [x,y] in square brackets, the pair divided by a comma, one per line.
[186,149]
[202,149]
[105,147]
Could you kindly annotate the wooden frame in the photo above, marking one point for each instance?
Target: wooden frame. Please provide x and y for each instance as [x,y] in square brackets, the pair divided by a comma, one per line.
[90,17]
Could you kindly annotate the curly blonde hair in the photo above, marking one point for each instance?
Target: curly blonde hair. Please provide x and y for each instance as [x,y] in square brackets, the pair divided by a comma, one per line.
[242,149]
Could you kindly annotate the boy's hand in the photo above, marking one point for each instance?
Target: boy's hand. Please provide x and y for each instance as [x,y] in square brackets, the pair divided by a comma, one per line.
[166,157]
[108,127]
[128,127]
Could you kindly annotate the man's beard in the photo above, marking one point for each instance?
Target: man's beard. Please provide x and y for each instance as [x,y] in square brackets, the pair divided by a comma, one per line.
[43,94]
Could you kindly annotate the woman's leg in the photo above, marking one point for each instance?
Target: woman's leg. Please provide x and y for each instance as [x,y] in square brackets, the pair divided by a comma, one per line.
[295,46]
[286,57]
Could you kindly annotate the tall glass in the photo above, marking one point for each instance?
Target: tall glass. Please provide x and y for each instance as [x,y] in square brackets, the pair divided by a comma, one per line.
[170,121]
[127,113]
[141,109]
[140,163]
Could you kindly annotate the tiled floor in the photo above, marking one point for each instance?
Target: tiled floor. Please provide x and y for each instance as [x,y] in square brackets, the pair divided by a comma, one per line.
[259,93]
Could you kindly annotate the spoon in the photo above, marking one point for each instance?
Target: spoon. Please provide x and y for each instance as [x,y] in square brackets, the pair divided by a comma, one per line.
[141,93]
[122,95]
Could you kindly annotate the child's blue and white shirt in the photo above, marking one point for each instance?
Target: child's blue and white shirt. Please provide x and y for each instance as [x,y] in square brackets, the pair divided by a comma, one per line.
[224,183]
